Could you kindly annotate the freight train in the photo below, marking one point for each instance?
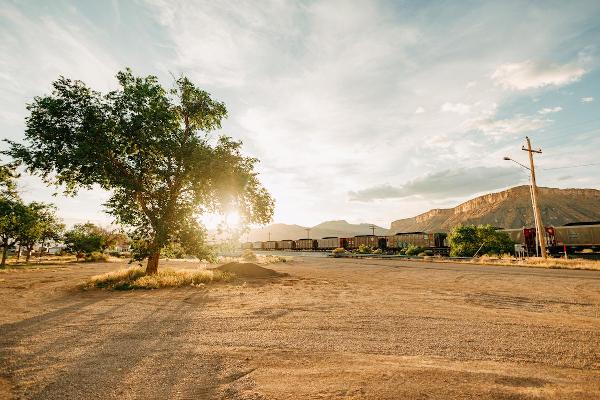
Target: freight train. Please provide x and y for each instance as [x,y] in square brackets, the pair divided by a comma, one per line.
[429,241]
[571,238]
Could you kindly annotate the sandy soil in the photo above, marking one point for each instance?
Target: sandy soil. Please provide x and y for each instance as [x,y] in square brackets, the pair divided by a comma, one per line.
[335,328]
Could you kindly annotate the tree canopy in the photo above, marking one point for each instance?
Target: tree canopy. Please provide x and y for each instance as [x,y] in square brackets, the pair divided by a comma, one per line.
[466,241]
[152,149]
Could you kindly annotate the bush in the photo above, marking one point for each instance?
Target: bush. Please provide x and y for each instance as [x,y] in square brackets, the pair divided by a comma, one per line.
[377,251]
[114,254]
[364,249]
[428,252]
[96,256]
[413,250]
[337,252]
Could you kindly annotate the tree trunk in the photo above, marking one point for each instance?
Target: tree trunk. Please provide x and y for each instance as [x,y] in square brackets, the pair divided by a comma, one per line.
[4,253]
[152,266]
[19,253]
[28,256]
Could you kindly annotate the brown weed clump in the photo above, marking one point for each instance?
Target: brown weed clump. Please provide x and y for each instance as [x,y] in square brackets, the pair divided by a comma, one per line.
[135,278]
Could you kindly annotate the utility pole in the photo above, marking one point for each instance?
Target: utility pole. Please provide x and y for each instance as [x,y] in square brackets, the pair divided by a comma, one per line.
[372,228]
[307,233]
[540,230]
[269,236]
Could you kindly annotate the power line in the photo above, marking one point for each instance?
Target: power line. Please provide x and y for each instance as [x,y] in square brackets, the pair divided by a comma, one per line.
[570,166]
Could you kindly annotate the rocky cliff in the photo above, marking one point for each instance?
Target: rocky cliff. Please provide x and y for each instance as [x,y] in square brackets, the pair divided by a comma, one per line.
[510,209]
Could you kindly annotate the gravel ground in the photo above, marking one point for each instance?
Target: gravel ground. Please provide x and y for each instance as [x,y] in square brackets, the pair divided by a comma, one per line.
[335,328]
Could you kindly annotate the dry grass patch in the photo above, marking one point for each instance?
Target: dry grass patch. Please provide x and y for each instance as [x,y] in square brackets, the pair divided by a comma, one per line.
[250,256]
[136,278]
[539,262]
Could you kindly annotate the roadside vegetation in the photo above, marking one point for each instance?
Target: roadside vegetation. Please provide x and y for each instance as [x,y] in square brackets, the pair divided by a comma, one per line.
[471,240]
[137,278]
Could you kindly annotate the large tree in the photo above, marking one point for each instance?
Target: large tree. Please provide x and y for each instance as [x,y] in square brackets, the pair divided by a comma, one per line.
[466,241]
[151,148]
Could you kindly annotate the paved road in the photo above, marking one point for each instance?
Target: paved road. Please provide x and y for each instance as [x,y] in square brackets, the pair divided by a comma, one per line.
[336,328]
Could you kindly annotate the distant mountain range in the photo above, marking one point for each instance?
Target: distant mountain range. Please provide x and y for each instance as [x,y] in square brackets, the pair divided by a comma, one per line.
[510,208]
[339,228]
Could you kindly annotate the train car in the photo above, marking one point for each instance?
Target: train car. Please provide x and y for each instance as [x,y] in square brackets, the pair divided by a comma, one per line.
[405,239]
[286,245]
[329,243]
[270,245]
[372,241]
[257,245]
[576,237]
[306,244]
[347,243]
[247,246]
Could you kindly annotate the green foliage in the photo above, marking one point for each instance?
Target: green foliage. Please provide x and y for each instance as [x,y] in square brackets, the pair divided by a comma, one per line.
[84,238]
[150,147]
[8,184]
[38,224]
[465,241]
[413,250]
[377,251]
[12,213]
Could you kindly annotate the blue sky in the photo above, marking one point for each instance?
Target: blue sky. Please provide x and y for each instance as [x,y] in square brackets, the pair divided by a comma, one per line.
[366,111]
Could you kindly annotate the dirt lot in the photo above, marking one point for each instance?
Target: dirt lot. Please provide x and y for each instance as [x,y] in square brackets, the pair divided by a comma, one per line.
[364,329]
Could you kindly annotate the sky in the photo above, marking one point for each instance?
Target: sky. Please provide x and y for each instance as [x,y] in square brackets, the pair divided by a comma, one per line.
[367,111]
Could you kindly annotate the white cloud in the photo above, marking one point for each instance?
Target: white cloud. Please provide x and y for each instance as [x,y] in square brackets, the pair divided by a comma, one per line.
[471,84]
[517,124]
[419,110]
[458,108]
[587,99]
[549,110]
[529,74]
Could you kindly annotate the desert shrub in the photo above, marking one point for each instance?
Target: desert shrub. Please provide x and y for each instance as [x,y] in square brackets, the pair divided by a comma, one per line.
[135,278]
[96,256]
[249,255]
[428,252]
[402,251]
[413,250]
[337,252]
[364,249]
[377,251]
[114,254]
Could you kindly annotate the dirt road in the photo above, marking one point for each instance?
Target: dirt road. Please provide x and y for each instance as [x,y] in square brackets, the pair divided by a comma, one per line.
[363,329]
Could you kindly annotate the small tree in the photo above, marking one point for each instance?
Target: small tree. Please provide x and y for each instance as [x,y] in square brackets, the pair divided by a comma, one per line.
[150,148]
[84,239]
[38,224]
[466,241]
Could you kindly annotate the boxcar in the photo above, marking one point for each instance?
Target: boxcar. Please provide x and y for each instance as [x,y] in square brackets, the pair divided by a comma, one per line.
[328,243]
[286,245]
[306,244]
[270,245]
[246,245]
[257,245]
[372,241]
